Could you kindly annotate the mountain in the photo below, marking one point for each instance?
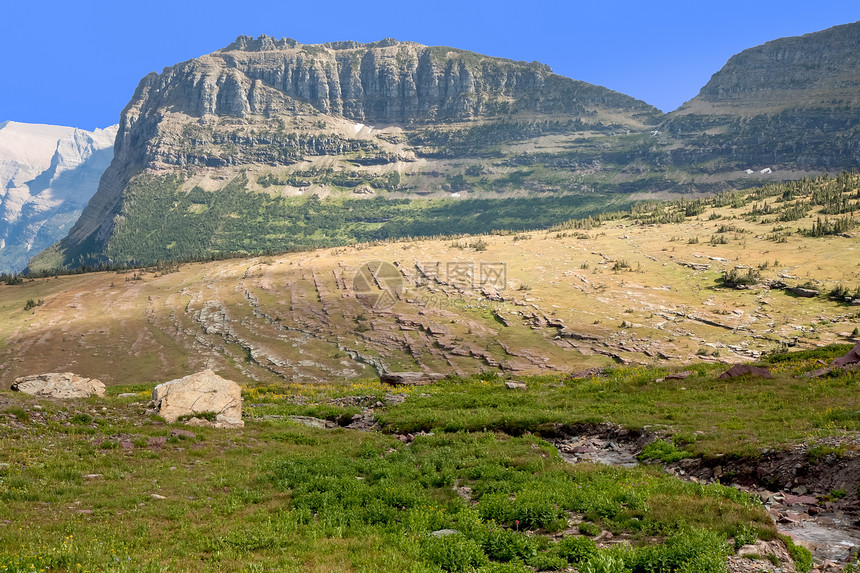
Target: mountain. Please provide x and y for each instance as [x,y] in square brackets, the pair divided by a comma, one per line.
[229,152]
[269,145]
[47,175]
[793,103]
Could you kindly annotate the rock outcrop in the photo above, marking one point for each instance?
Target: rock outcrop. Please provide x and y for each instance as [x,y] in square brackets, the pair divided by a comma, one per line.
[790,103]
[198,395]
[47,175]
[849,361]
[59,385]
[410,378]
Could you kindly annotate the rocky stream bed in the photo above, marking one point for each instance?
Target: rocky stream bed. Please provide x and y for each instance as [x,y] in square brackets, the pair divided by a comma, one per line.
[805,494]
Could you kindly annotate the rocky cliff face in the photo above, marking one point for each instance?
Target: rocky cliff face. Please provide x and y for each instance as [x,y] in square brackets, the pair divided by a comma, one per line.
[792,103]
[822,64]
[47,175]
[387,82]
[277,107]
[224,153]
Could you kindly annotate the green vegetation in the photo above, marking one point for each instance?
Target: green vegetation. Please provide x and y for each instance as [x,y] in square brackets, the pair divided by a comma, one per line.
[160,222]
[736,418]
[663,451]
[734,278]
[275,497]
[200,224]
[31,304]
[484,492]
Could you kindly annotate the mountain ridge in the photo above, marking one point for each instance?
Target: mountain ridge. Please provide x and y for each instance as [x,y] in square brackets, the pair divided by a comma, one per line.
[344,121]
[47,175]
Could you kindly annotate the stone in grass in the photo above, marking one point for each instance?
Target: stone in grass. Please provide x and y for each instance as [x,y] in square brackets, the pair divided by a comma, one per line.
[682,375]
[410,378]
[201,393]
[444,532]
[746,370]
[511,385]
[850,359]
[183,434]
[59,385]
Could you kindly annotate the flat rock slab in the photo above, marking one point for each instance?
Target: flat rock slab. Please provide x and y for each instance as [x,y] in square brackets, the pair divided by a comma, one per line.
[59,385]
[803,499]
[853,357]
[312,422]
[204,392]
[683,375]
[410,378]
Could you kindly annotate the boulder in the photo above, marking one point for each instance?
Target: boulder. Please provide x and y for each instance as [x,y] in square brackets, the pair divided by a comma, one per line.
[204,392]
[745,370]
[62,386]
[515,385]
[682,375]
[849,361]
[853,357]
[803,292]
[585,373]
[409,378]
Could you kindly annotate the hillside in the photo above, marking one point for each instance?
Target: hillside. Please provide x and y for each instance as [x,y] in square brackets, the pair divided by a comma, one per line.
[645,288]
[344,122]
[47,175]
[600,340]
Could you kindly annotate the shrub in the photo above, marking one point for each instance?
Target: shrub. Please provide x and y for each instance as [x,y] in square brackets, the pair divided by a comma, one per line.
[576,549]
[507,545]
[734,278]
[480,245]
[745,535]
[504,568]
[453,553]
[691,551]
[591,529]
[81,419]
[20,413]
[663,451]
[604,563]
[801,556]
[548,562]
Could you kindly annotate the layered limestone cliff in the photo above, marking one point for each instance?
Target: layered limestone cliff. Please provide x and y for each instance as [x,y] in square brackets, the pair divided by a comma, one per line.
[792,103]
[269,144]
[47,175]
[266,108]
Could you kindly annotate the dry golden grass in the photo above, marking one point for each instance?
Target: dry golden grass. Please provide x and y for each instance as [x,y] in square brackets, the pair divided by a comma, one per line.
[622,290]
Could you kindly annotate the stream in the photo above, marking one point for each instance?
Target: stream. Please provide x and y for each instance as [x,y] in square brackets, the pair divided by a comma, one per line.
[831,534]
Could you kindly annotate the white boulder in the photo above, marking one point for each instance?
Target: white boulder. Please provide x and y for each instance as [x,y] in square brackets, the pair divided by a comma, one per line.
[201,393]
[62,385]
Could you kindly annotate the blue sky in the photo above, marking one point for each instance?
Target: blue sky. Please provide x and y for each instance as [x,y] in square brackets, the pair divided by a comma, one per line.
[77,63]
